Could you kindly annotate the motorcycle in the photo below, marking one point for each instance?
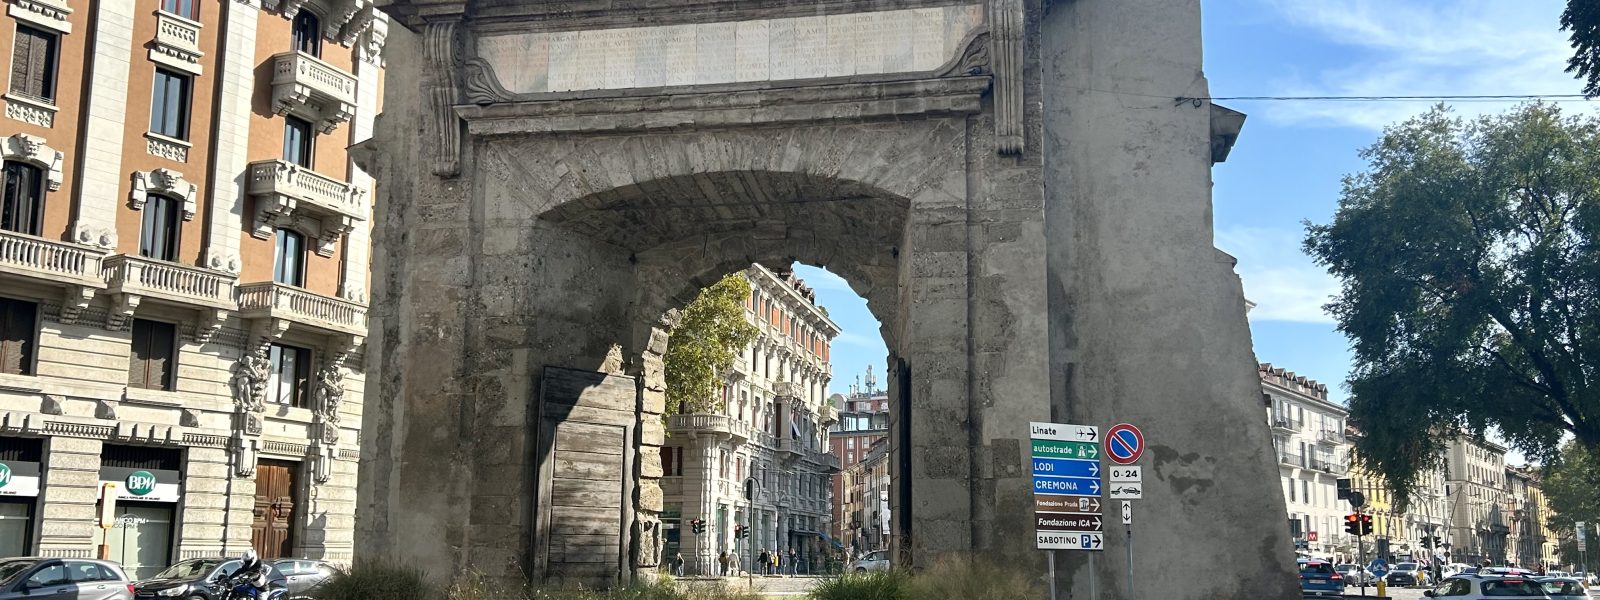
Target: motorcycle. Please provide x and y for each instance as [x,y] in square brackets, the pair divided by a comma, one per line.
[242,588]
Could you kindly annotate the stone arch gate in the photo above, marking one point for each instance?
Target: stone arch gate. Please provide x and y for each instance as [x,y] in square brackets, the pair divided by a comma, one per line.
[1009,184]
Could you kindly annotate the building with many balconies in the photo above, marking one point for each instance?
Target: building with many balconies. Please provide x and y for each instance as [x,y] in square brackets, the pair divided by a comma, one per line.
[1308,435]
[863,422]
[183,266]
[1482,508]
[763,460]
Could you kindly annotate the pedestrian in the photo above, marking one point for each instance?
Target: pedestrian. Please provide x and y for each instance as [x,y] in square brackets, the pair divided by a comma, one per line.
[765,560]
[722,563]
[677,564]
[777,562]
[794,562]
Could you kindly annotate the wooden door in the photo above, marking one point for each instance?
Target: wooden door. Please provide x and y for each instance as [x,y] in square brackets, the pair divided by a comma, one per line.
[272,530]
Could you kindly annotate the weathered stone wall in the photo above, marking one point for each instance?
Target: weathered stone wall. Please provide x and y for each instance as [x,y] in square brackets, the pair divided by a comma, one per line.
[1147,318]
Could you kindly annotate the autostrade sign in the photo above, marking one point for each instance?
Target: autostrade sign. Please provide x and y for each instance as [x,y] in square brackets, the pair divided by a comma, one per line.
[19,478]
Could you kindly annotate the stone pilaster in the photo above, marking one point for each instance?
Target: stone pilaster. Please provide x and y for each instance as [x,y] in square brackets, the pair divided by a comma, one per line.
[67,504]
[231,136]
[100,178]
[358,243]
[216,506]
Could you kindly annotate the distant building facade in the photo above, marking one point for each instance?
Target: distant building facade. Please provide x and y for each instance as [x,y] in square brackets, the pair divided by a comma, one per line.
[863,422]
[1308,436]
[184,257]
[1480,501]
[763,459]
[865,503]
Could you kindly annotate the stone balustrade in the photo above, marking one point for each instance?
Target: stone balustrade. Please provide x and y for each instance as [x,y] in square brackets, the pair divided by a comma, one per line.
[305,86]
[40,258]
[279,301]
[184,284]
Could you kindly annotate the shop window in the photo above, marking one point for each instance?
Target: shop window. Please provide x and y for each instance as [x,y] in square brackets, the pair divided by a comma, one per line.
[158,233]
[154,360]
[188,9]
[18,322]
[33,64]
[291,375]
[298,141]
[169,105]
[289,261]
[308,33]
[23,209]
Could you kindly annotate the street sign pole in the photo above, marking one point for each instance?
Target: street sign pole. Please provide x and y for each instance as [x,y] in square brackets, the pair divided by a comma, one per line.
[1129,529]
[1050,559]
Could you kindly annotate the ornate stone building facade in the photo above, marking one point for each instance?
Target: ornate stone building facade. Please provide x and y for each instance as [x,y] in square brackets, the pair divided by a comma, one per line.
[183,275]
[763,461]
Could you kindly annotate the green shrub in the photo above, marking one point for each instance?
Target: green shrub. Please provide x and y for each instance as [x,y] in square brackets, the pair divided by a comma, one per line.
[872,585]
[975,580]
[372,580]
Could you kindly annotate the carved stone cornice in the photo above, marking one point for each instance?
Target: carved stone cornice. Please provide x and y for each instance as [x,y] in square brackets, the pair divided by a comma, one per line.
[1007,24]
[441,48]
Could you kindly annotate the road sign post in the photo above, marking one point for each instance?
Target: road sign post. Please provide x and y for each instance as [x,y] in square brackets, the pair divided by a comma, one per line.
[1124,444]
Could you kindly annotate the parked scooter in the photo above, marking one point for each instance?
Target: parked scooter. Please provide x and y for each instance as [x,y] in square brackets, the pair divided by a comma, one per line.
[254,580]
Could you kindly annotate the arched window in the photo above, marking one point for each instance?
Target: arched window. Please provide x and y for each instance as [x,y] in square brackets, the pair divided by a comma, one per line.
[289,262]
[23,205]
[308,33]
[159,231]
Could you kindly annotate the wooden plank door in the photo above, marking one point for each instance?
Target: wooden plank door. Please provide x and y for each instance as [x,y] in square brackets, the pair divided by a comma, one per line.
[272,529]
[585,486]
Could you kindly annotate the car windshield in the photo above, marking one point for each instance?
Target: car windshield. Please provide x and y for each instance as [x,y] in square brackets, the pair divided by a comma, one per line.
[1512,588]
[1564,588]
[189,569]
[1406,567]
[11,569]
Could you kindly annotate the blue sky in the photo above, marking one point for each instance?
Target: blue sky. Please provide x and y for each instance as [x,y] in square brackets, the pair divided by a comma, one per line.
[1288,163]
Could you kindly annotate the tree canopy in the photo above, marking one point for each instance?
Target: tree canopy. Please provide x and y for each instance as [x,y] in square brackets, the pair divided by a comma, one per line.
[1582,18]
[1470,277]
[711,332]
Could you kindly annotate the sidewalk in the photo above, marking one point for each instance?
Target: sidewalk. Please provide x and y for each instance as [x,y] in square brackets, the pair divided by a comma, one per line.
[767,585]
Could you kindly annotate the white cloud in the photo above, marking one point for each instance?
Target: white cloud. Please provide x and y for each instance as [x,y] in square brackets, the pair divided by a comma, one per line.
[1419,48]
[1284,284]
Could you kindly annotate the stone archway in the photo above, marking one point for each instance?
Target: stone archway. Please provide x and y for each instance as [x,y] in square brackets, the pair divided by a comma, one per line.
[556,180]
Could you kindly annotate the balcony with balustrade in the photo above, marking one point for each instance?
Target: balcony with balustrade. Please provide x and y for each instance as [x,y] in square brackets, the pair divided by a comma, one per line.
[1291,459]
[307,87]
[788,389]
[131,280]
[697,425]
[791,448]
[289,193]
[1330,437]
[1285,424]
[282,306]
[31,260]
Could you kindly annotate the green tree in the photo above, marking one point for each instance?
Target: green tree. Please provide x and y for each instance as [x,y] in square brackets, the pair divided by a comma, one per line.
[1582,18]
[710,333]
[1569,486]
[1469,269]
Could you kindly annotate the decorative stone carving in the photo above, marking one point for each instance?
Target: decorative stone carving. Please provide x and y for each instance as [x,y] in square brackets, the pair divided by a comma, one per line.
[441,47]
[45,13]
[105,409]
[1007,25]
[244,456]
[120,316]
[73,302]
[166,182]
[208,323]
[373,36]
[249,383]
[973,60]
[32,150]
[329,392]
[51,405]
[322,459]
[168,149]
[29,111]
[189,417]
[177,43]
[224,262]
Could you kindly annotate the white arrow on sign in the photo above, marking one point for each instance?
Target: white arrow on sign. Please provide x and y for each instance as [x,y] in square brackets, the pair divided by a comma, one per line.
[1127,512]
[1131,491]
[1064,432]
[1094,469]
[1094,487]
[1120,474]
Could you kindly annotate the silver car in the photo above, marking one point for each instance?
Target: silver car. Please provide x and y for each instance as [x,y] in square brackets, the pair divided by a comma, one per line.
[873,561]
[1564,588]
[63,579]
[1474,587]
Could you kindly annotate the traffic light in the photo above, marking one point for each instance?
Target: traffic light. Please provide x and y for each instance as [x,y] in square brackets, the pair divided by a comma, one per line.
[1343,488]
[1352,524]
[698,525]
[1366,524]
[740,532]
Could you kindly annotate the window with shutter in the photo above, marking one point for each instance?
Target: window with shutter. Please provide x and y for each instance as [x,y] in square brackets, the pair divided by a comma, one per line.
[154,358]
[291,375]
[158,235]
[22,201]
[33,64]
[17,327]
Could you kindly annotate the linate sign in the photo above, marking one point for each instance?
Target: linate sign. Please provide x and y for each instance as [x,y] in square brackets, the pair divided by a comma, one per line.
[1124,444]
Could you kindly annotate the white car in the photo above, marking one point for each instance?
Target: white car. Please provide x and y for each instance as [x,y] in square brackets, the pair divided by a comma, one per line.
[873,561]
[1471,587]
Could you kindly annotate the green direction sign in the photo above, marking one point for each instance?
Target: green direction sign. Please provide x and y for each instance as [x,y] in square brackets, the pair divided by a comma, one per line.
[1055,449]
[141,483]
[5,475]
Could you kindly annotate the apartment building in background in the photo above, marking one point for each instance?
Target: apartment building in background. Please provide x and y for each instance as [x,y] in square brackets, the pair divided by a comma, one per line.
[1308,437]
[183,266]
[863,423]
[762,460]
[1480,500]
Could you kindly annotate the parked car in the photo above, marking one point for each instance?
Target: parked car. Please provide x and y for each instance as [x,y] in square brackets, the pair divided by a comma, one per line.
[1318,579]
[1473,587]
[1564,588]
[1406,574]
[304,576]
[63,579]
[193,579]
[873,561]
[1354,574]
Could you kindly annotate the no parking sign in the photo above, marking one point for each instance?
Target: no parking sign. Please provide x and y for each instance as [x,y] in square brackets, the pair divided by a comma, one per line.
[1124,444]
